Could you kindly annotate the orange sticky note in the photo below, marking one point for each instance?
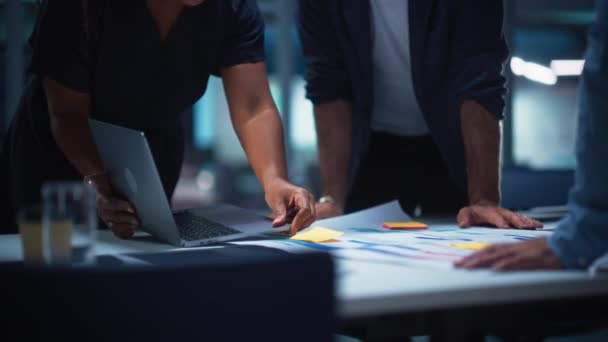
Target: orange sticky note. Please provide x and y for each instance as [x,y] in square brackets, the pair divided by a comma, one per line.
[405,225]
[471,246]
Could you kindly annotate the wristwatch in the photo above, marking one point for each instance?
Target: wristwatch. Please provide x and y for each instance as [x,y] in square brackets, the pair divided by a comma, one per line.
[327,199]
[90,179]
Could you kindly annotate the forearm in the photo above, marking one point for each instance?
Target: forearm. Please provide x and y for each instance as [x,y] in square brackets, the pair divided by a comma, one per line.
[68,114]
[74,138]
[481,134]
[261,136]
[334,128]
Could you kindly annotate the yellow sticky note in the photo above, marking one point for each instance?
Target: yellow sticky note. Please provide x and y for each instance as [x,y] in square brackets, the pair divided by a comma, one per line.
[471,246]
[317,234]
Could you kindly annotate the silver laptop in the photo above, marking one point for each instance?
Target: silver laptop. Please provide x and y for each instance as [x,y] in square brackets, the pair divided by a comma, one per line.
[133,174]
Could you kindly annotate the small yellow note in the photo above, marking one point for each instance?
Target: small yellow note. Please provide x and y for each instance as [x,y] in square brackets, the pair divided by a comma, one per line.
[317,234]
[471,246]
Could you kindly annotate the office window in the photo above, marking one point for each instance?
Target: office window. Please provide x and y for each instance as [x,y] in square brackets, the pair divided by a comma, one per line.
[16,23]
[213,129]
[547,41]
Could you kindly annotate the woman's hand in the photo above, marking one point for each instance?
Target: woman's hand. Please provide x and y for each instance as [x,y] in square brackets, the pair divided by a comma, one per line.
[290,203]
[69,114]
[528,255]
[258,125]
[117,214]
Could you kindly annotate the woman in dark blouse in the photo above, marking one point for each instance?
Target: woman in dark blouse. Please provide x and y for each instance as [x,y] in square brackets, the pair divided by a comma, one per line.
[141,64]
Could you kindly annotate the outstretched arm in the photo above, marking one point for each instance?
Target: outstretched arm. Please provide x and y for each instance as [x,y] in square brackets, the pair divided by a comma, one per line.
[481,135]
[257,123]
[476,73]
[69,113]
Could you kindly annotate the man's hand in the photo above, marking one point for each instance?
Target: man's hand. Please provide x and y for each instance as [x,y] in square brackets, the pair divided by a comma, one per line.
[290,203]
[481,137]
[327,210]
[117,214]
[482,215]
[530,255]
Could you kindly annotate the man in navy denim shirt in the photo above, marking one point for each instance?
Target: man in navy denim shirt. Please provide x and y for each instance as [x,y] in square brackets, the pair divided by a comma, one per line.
[408,97]
[582,236]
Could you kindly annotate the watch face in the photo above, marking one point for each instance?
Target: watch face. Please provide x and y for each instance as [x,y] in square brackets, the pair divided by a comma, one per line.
[326,199]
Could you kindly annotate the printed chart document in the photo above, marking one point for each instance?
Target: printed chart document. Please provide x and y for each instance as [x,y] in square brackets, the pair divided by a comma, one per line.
[385,269]
[364,239]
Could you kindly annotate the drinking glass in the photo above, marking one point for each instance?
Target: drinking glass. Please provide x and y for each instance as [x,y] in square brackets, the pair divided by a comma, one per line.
[30,228]
[69,222]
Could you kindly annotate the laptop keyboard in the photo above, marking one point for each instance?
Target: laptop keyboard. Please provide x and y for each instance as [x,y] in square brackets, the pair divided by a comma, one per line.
[193,227]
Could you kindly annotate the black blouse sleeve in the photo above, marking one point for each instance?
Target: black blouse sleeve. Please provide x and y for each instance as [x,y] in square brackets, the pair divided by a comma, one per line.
[244,41]
[58,44]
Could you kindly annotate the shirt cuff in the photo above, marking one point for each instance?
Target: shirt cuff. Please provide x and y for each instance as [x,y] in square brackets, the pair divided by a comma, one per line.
[565,248]
[580,238]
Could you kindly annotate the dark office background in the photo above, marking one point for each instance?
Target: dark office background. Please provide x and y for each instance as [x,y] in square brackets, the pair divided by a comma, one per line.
[539,131]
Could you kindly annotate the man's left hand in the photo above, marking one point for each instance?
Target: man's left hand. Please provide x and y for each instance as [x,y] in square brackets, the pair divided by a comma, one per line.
[529,255]
[481,215]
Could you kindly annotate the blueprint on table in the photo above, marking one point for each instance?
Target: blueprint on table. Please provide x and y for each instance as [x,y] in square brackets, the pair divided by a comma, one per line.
[364,239]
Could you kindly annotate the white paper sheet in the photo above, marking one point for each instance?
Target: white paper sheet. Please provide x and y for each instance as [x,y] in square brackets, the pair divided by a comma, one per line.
[600,265]
[371,218]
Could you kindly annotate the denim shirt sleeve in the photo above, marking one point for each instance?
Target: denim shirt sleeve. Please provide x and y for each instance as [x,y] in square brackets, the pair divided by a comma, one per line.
[582,236]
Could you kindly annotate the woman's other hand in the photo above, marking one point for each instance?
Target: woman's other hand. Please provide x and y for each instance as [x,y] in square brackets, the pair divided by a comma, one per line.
[119,215]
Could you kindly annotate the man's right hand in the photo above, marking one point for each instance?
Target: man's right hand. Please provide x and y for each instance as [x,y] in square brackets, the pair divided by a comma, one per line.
[327,210]
[117,214]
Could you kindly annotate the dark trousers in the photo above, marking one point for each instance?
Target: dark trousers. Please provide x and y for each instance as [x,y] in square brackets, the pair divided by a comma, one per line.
[409,169]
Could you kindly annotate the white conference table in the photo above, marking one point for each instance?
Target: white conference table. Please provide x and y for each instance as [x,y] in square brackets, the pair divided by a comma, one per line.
[368,289]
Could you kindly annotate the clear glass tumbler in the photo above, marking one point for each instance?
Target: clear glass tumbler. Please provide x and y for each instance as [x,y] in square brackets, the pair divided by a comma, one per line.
[69,222]
[30,228]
